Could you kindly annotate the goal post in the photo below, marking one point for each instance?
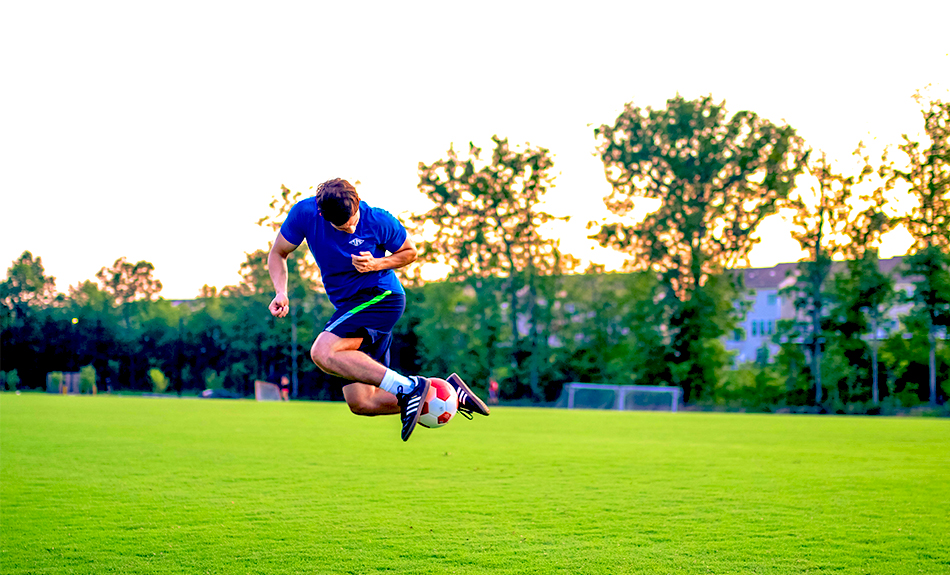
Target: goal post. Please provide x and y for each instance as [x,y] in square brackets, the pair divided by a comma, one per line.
[266,391]
[620,397]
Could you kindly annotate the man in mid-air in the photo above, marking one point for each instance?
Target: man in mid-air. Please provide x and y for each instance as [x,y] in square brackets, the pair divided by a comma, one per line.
[349,240]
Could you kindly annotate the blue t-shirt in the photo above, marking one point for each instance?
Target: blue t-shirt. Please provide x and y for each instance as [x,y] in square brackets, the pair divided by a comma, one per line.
[377,232]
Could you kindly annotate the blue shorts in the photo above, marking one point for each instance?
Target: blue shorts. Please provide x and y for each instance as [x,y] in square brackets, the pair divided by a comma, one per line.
[370,315]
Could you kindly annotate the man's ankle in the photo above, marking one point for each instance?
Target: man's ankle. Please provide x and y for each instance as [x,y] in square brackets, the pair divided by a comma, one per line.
[392,382]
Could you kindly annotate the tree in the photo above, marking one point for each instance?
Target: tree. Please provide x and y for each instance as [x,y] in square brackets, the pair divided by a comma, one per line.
[485,223]
[87,294]
[861,299]
[927,176]
[931,300]
[820,219]
[865,293]
[447,319]
[27,286]
[868,218]
[127,283]
[93,324]
[27,295]
[717,177]
[130,286]
[604,325]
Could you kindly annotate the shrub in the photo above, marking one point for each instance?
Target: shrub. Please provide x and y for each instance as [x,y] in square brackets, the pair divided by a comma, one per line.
[56,381]
[159,381]
[87,379]
[11,378]
[751,386]
[213,379]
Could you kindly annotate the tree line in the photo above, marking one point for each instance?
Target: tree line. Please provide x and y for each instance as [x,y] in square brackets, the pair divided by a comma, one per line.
[515,307]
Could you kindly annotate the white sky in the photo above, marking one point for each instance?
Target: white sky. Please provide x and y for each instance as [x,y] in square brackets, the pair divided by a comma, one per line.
[160,131]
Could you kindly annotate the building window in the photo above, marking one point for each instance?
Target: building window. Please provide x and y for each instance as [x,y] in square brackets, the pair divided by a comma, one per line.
[755,330]
[772,299]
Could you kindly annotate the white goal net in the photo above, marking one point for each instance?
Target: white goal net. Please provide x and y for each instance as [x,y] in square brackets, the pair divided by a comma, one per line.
[620,397]
[265,391]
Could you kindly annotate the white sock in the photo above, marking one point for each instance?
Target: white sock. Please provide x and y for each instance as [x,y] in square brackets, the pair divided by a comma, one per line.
[392,381]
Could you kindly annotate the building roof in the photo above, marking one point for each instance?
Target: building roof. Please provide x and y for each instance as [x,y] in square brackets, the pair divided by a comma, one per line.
[774,277]
[766,278]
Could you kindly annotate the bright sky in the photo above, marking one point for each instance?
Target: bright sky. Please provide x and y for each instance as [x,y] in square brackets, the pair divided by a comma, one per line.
[161,131]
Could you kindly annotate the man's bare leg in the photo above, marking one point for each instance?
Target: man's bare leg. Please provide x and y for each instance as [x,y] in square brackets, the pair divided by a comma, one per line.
[341,357]
[366,399]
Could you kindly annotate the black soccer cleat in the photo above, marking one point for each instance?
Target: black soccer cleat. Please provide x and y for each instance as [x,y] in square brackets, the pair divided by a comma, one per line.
[410,404]
[469,403]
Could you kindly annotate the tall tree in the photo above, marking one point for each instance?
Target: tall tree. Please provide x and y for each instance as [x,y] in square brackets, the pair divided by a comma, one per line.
[820,220]
[717,177]
[486,222]
[27,286]
[26,295]
[931,300]
[861,298]
[864,293]
[128,282]
[97,323]
[130,286]
[927,176]
[871,216]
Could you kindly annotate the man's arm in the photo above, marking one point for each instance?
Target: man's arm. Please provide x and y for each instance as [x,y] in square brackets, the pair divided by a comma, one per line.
[405,255]
[277,267]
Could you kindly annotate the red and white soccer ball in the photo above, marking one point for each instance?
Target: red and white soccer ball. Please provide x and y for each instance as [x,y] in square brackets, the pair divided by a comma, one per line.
[440,405]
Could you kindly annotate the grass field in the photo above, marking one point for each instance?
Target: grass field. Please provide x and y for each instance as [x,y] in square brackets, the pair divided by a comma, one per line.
[138,485]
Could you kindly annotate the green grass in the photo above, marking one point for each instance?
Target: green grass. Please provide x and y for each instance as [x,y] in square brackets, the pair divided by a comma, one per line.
[141,485]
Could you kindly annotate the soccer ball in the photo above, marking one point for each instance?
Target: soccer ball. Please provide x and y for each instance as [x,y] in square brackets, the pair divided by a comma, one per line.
[440,405]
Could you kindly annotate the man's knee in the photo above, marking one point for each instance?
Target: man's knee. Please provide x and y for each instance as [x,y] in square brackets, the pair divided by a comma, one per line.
[323,353]
[320,354]
[327,347]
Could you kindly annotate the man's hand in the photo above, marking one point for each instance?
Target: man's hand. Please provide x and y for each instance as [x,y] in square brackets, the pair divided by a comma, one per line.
[365,262]
[280,305]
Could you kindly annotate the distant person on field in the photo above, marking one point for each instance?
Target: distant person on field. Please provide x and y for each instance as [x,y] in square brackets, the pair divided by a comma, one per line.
[284,388]
[493,391]
[349,240]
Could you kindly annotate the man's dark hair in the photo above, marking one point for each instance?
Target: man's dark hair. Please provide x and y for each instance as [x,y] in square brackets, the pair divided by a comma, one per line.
[337,201]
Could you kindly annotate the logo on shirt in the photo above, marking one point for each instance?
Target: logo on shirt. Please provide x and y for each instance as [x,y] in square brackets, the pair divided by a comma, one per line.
[356,242]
